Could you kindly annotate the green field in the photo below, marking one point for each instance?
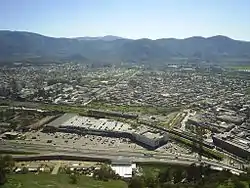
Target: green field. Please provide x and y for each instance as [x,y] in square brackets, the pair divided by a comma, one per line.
[58,181]
[170,120]
[100,105]
[241,67]
[131,108]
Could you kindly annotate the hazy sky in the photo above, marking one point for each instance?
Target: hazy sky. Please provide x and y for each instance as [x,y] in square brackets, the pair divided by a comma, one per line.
[128,18]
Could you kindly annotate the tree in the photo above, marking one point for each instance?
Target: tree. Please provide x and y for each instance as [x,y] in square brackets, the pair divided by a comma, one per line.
[25,170]
[73,178]
[105,173]
[239,184]
[179,174]
[151,181]
[193,173]
[136,182]
[170,185]
[6,164]
[1,115]
[165,175]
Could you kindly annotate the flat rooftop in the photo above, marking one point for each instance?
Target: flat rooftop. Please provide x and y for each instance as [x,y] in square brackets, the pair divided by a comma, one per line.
[152,135]
[101,124]
[94,123]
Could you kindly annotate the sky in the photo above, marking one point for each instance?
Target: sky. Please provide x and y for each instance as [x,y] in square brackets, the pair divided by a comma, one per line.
[128,18]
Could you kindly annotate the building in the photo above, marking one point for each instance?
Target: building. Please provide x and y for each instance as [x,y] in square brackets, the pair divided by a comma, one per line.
[231,119]
[123,168]
[73,123]
[233,144]
[10,135]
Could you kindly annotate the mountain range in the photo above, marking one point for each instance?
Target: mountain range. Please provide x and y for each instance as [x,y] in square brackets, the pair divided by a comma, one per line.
[18,45]
[104,38]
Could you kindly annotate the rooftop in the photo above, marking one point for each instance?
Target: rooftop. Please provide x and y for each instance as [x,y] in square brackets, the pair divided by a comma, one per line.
[152,135]
[238,142]
[101,124]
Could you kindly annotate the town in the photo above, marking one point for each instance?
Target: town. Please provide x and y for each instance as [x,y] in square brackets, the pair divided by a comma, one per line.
[139,113]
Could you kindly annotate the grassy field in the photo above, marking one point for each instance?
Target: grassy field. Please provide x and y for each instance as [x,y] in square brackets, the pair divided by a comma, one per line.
[65,108]
[58,181]
[170,120]
[132,108]
[241,67]
[95,105]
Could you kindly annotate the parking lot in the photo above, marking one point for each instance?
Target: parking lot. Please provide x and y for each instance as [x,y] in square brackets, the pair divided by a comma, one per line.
[78,141]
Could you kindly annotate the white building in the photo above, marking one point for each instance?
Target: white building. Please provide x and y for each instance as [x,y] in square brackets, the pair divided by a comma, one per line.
[123,168]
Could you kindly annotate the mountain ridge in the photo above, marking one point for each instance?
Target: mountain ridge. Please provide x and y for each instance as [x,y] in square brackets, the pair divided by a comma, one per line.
[105,38]
[119,37]
[21,45]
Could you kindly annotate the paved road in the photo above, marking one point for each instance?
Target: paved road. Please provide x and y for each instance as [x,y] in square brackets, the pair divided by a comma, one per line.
[107,154]
[56,168]
[153,159]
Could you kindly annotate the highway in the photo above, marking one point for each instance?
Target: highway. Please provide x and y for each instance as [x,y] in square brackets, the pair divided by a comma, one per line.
[97,153]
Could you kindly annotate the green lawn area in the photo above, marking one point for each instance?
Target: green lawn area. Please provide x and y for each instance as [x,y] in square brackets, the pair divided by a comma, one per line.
[242,67]
[170,120]
[58,181]
[64,108]
[100,105]
[231,185]
[121,108]
[132,108]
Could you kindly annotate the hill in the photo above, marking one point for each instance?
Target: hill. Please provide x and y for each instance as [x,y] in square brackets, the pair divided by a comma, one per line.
[16,45]
[105,38]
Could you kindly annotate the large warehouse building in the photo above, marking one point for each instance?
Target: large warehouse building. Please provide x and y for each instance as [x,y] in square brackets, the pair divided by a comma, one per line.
[73,123]
[234,145]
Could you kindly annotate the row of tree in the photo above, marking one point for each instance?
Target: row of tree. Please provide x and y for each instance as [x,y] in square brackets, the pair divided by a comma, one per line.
[191,177]
[105,173]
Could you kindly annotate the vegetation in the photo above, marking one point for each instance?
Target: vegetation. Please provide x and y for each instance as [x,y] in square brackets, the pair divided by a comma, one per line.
[152,176]
[73,178]
[18,119]
[65,108]
[187,177]
[6,164]
[248,91]
[241,67]
[195,147]
[132,108]
[172,120]
[38,48]
[105,173]
[43,180]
